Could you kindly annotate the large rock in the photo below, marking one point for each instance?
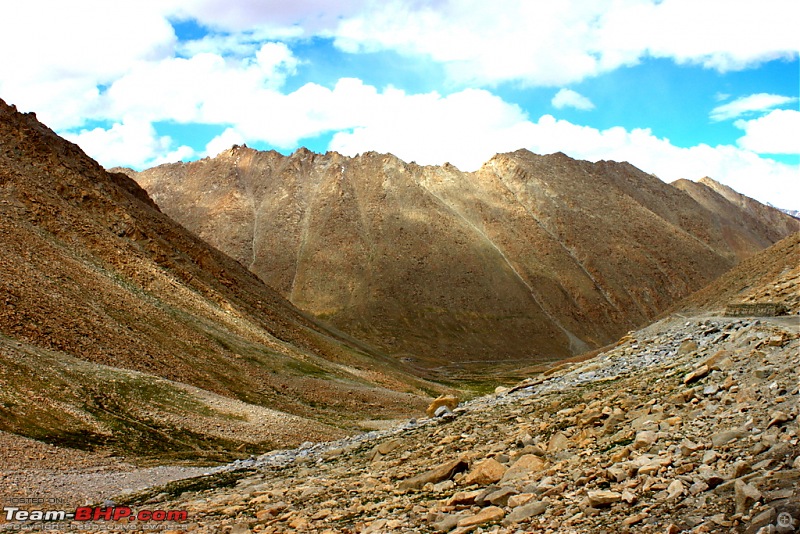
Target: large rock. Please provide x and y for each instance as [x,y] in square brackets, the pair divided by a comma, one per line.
[599,498]
[485,472]
[526,511]
[525,465]
[448,401]
[491,513]
[437,474]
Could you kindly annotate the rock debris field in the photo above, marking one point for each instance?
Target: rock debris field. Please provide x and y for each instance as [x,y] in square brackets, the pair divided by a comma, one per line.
[689,425]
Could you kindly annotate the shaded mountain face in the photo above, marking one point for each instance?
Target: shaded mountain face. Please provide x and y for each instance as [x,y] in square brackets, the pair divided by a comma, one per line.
[530,258]
[125,328]
[770,276]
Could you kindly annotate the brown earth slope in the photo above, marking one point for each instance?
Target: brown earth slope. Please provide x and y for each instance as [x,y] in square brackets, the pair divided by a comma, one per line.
[531,258]
[772,276]
[120,328]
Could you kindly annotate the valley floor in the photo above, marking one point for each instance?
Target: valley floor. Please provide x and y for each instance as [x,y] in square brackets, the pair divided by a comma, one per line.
[689,425]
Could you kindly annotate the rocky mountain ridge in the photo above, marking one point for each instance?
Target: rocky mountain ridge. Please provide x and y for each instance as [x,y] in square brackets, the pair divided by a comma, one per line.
[530,259]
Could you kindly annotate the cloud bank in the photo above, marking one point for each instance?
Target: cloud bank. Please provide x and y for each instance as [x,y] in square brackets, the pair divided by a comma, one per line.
[121,65]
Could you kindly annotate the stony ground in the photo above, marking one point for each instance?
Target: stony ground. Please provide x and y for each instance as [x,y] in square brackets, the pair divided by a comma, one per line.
[687,426]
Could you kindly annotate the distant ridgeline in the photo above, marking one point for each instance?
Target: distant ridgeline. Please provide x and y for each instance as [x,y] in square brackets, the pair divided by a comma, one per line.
[755,309]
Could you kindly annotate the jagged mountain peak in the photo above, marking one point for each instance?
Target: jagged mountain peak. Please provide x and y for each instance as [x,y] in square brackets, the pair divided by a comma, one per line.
[529,258]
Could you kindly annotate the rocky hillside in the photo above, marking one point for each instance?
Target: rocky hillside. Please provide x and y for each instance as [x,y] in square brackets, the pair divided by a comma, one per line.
[529,259]
[688,425]
[770,277]
[759,222]
[122,331]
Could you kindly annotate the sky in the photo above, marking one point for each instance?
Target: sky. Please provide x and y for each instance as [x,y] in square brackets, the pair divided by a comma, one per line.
[679,88]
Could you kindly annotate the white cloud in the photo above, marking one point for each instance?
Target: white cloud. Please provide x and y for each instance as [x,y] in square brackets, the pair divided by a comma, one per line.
[224,141]
[775,133]
[748,104]
[132,142]
[57,53]
[556,43]
[484,42]
[277,17]
[236,78]
[719,34]
[567,98]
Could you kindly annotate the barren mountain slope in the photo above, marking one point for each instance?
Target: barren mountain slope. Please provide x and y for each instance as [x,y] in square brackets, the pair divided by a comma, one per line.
[109,309]
[780,225]
[758,223]
[687,425]
[772,276]
[531,258]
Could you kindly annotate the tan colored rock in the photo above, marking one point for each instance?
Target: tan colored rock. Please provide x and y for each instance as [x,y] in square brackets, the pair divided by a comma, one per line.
[485,472]
[621,454]
[464,497]
[450,401]
[487,515]
[634,519]
[740,468]
[778,418]
[616,473]
[520,499]
[526,464]
[524,512]
[389,445]
[745,495]
[675,490]
[448,522]
[713,362]
[726,436]
[442,472]
[628,496]
[696,374]
[645,440]
[558,442]
[603,498]
[688,447]
[501,496]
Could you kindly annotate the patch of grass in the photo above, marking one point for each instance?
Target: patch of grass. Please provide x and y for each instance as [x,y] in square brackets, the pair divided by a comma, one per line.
[306,369]
[176,488]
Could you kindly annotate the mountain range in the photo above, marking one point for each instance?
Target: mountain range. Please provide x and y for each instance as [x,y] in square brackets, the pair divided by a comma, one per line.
[332,289]
[529,259]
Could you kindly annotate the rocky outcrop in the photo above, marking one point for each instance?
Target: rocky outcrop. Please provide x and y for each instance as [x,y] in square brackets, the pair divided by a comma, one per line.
[531,258]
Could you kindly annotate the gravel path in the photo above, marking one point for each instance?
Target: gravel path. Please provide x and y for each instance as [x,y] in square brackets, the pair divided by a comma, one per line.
[32,469]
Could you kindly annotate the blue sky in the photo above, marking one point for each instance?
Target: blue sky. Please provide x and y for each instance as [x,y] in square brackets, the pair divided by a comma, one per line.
[681,89]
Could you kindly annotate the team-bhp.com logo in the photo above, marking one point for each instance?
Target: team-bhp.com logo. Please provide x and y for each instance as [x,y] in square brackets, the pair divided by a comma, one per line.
[95,513]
